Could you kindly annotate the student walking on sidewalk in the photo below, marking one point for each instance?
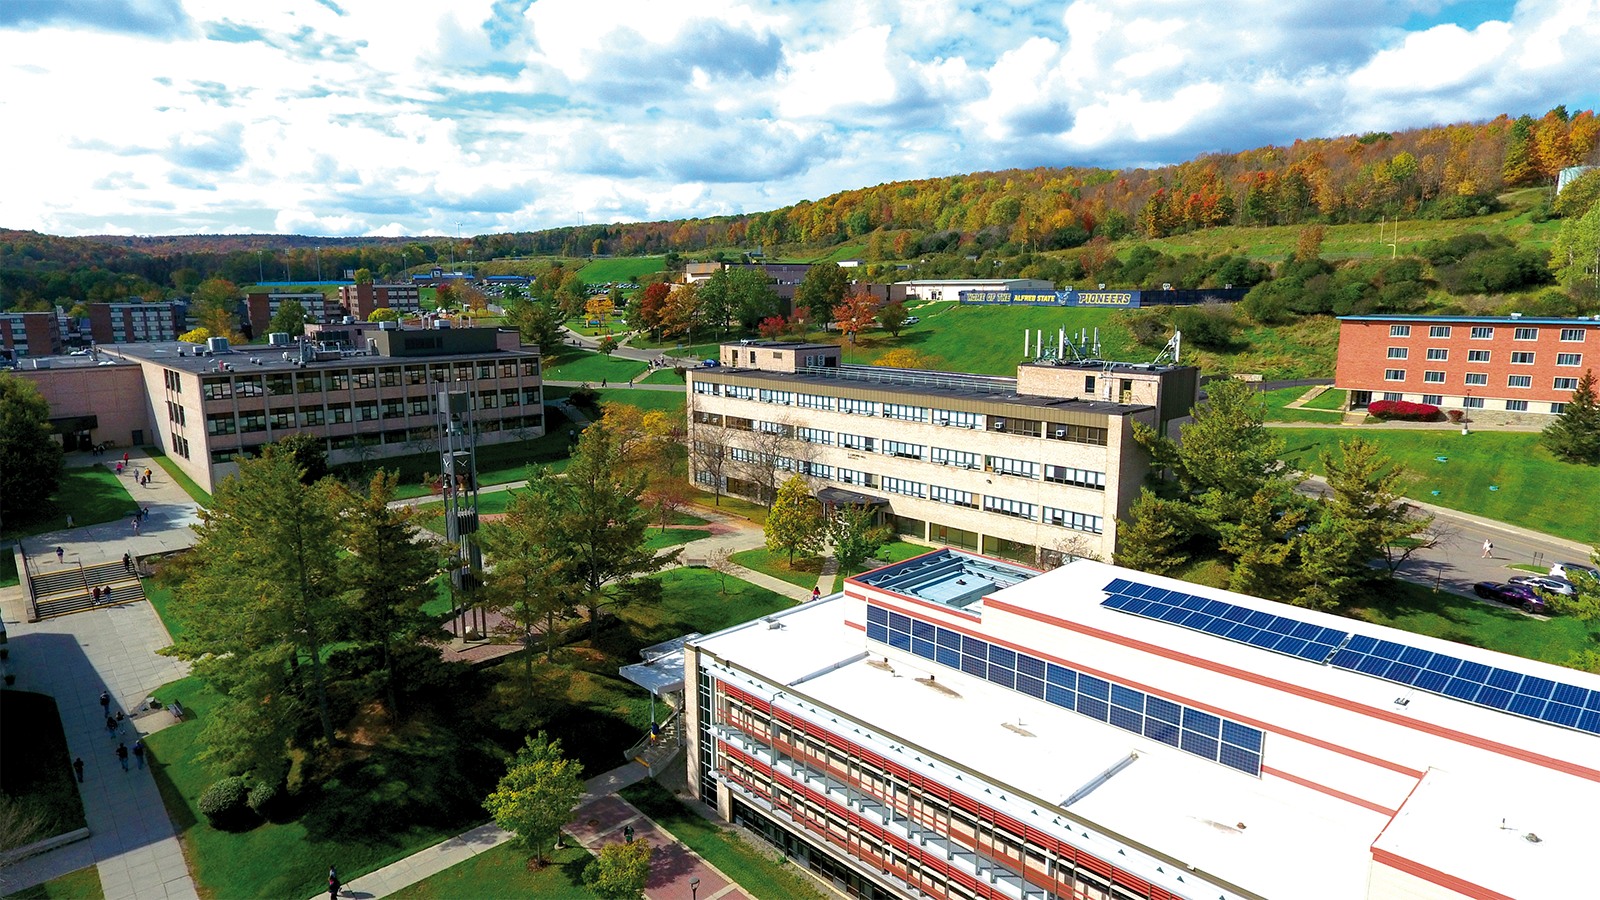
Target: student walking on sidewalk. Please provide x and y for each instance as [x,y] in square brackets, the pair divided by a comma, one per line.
[122,756]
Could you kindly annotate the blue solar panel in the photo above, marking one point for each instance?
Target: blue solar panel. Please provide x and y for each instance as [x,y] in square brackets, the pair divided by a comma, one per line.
[1437,673]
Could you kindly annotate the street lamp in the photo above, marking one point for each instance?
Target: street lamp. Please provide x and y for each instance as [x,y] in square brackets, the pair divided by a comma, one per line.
[1466,409]
[319,265]
[260,272]
[694,888]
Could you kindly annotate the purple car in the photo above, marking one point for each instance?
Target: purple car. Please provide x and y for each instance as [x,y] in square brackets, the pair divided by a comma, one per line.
[1510,594]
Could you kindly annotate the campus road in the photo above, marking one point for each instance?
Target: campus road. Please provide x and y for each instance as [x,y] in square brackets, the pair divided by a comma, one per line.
[1456,561]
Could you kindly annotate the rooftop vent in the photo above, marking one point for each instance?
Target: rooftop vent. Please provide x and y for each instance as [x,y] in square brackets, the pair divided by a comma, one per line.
[217,345]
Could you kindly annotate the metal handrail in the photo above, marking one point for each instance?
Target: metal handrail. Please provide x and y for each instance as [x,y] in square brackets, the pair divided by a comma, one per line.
[983,384]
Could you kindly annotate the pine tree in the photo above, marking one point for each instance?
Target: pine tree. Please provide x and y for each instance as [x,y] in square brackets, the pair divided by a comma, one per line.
[1575,435]
[795,521]
[1151,537]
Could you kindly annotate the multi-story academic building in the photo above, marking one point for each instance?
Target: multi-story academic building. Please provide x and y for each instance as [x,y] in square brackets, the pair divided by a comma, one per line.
[122,323]
[262,307]
[24,334]
[1508,367]
[1025,468]
[204,408]
[362,299]
[954,726]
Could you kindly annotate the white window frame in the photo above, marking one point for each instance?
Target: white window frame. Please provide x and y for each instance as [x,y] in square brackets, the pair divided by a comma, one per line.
[1077,521]
[1519,381]
[951,496]
[1438,354]
[1564,384]
[902,450]
[1014,508]
[1572,335]
[1399,352]
[1478,356]
[957,419]
[961,459]
[1569,359]
[1005,465]
[858,442]
[1433,377]
[1438,331]
[905,413]
[1524,333]
[1516,406]
[1527,361]
[1477,379]
[1433,399]
[1394,374]
[1399,331]
[902,486]
[1483,332]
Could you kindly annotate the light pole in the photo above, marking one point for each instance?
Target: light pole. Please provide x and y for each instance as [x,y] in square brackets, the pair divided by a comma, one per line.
[260,272]
[1466,410]
[319,264]
[694,888]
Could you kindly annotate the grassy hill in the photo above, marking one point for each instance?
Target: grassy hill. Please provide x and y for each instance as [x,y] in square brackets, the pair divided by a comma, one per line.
[627,268]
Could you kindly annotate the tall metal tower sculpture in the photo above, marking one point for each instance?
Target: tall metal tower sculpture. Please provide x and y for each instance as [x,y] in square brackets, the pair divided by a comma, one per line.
[458,475]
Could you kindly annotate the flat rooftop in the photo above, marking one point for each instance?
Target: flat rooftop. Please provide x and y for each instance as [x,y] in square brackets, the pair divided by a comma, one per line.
[264,358]
[1347,768]
[955,578]
[948,385]
[1481,320]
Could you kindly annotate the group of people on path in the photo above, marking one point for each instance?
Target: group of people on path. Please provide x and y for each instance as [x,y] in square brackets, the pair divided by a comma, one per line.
[114,725]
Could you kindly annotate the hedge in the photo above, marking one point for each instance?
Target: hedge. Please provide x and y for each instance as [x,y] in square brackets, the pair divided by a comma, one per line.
[1404,409]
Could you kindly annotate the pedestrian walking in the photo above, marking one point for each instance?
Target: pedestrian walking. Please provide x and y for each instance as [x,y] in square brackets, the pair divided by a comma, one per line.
[69,520]
[1488,549]
[77,766]
[135,527]
[111,727]
[333,884]
[816,593]
[95,593]
[138,752]
[119,468]
[124,457]
[149,474]
[61,555]
[127,563]
[120,719]
[145,514]
[105,702]
[122,756]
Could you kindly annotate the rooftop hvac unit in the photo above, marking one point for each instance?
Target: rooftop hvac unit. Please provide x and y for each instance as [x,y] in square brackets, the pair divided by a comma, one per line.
[389,325]
[442,324]
[278,339]
[217,345]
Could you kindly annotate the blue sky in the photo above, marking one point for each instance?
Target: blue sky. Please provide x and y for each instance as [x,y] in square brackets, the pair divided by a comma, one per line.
[348,117]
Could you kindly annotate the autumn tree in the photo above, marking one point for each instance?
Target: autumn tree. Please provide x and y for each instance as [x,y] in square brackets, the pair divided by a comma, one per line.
[794,524]
[892,316]
[857,313]
[681,311]
[823,288]
[384,314]
[196,335]
[216,306]
[536,795]
[1309,244]
[853,533]
[909,358]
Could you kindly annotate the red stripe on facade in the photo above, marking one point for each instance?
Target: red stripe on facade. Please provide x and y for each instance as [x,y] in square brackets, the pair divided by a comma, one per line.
[859,626]
[1538,759]
[1331,792]
[1435,877]
[1179,698]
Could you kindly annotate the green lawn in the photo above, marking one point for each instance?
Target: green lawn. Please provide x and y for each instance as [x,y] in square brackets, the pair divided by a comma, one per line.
[8,568]
[762,873]
[666,401]
[1332,398]
[289,857]
[497,463]
[501,873]
[662,376]
[1535,490]
[1278,400]
[892,552]
[38,768]
[583,365]
[91,495]
[178,475]
[804,572]
[431,515]
[661,540]
[161,600]
[83,884]
[629,268]
[1467,620]
[736,506]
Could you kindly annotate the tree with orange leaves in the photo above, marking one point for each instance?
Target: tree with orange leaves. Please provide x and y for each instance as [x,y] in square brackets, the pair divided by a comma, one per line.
[857,313]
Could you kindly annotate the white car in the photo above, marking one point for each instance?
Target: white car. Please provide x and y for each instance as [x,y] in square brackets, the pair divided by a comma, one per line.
[912,320]
[1546,583]
[1563,569]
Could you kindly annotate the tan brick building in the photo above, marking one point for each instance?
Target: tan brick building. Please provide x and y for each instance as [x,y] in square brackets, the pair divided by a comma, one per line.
[1021,467]
[1500,367]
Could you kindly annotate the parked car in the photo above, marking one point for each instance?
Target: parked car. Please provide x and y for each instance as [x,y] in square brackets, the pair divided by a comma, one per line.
[709,364]
[1564,570]
[912,320]
[1510,594]
[1545,583]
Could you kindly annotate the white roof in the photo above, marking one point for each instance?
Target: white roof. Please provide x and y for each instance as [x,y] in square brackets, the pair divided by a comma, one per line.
[1340,757]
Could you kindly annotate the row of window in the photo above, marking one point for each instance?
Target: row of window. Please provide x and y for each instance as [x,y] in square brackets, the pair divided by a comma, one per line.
[1486,332]
[279,385]
[1518,358]
[1082,434]
[1478,402]
[344,413]
[1481,379]
[418,438]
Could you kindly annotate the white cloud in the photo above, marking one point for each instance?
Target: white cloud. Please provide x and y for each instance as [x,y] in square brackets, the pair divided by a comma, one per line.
[393,118]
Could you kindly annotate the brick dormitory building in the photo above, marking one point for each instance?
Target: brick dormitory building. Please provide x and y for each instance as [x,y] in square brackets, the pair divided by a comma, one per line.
[1023,468]
[1497,368]
[205,405]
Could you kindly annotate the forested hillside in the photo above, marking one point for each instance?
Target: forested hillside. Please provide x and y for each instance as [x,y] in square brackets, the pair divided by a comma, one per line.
[1440,172]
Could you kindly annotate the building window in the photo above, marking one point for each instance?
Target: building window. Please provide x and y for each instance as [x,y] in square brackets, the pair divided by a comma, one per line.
[1066,518]
[1394,374]
[1477,378]
[1572,335]
[1478,356]
[902,486]
[339,381]
[220,423]
[858,442]
[389,376]
[904,450]
[252,420]
[1569,359]
[1076,434]
[309,384]
[1473,403]
[815,436]
[1004,465]
[394,409]
[367,412]
[1438,353]
[1077,477]
[1433,377]
[1482,333]
[364,378]
[1558,408]
[1525,334]
[1565,384]
[782,398]
[952,496]
[853,476]
[1399,331]
[957,458]
[1433,399]
[530,369]
[1520,381]
[1522,358]
[280,385]
[281,419]
[858,407]
[220,389]
[419,374]
[419,406]
[1398,352]
[811,401]
[339,413]
[1015,508]
[1516,406]
[956,419]
[1438,331]
[1393,396]
[905,413]
[312,416]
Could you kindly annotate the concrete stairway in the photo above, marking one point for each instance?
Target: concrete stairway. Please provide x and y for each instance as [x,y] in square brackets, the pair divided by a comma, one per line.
[69,590]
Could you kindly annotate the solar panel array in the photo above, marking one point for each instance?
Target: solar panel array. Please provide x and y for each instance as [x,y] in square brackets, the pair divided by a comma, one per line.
[1439,673]
[1280,634]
